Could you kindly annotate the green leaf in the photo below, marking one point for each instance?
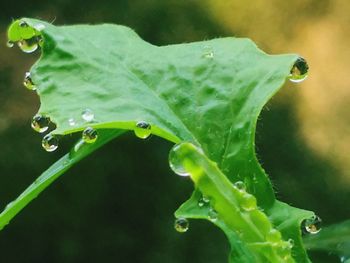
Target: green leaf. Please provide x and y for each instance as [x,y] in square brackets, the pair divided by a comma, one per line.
[207,93]
[334,239]
[236,210]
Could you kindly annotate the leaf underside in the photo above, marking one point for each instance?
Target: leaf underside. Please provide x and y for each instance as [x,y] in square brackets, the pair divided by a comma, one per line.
[208,94]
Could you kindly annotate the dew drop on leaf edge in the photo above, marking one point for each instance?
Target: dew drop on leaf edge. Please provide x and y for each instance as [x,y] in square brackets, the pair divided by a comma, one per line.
[28,82]
[143,130]
[10,44]
[299,71]
[181,225]
[50,143]
[311,225]
[29,45]
[176,162]
[89,135]
[87,115]
[40,123]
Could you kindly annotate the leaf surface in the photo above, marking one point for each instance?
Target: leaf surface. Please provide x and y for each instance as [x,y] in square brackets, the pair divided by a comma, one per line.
[206,93]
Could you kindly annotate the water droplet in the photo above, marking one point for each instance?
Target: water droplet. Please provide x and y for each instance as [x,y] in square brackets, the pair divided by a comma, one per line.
[176,163]
[49,143]
[40,41]
[28,82]
[274,236]
[10,44]
[208,52]
[40,123]
[212,215]
[290,243]
[23,24]
[299,71]
[28,45]
[88,115]
[248,202]
[203,201]
[71,122]
[143,130]
[89,135]
[181,225]
[240,185]
[311,225]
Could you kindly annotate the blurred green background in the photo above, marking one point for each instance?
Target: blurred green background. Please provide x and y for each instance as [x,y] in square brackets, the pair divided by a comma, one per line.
[117,205]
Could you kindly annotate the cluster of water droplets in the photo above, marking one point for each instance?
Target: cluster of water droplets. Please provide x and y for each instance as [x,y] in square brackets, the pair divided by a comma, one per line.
[299,71]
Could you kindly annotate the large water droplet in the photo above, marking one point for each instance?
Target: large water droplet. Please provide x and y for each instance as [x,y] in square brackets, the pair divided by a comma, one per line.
[240,185]
[181,225]
[28,45]
[248,202]
[49,143]
[40,123]
[28,82]
[203,201]
[299,71]
[176,162]
[311,225]
[89,135]
[10,44]
[212,215]
[87,115]
[143,130]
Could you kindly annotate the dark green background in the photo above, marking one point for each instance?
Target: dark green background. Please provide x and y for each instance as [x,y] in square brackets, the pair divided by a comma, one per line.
[117,205]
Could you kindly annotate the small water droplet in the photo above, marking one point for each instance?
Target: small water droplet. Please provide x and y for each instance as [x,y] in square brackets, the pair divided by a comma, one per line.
[176,163]
[274,236]
[87,115]
[28,45]
[290,243]
[143,130]
[212,215]
[71,122]
[299,71]
[40,123]
[181,225]
[311,225]
[10,44]
[208,52]
[89,135]
[203,201]
[23,24]
[40,41]
[49,143]
[28,82]
[240,185]
[248,202]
